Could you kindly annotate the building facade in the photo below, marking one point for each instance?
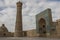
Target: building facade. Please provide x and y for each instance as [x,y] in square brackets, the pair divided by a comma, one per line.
[44,22]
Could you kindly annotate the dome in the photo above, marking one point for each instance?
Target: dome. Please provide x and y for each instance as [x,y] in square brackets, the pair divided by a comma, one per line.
[3,28]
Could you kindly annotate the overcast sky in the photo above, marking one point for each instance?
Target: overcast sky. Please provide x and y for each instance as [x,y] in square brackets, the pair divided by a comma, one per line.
[29,10]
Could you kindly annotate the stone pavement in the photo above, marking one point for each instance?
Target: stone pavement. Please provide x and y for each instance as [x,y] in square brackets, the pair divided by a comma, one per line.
[27,38]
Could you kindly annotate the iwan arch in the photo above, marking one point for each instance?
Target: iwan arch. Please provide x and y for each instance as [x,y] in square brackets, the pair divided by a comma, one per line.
[44,22]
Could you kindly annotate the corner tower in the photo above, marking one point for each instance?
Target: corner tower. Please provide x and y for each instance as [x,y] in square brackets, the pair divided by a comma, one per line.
[18,26]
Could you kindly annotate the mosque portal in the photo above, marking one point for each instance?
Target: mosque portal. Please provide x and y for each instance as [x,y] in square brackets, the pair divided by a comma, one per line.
[44,23]
[42,27]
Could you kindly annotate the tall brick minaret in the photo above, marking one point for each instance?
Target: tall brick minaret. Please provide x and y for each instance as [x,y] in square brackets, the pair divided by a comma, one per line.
[18,26]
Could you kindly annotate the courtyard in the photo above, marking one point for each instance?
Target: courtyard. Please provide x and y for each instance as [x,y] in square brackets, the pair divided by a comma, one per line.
[27,38]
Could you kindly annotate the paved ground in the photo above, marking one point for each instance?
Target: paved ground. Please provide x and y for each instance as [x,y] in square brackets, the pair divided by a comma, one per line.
[27,38]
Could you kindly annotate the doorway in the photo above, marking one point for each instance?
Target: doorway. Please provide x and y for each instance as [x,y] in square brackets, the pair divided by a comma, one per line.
[42,27]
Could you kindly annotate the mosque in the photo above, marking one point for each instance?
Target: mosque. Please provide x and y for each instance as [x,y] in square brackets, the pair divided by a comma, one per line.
[45,27]
[4,32]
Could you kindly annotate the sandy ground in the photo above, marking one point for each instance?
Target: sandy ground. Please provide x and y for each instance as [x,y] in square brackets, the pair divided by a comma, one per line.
[27,38]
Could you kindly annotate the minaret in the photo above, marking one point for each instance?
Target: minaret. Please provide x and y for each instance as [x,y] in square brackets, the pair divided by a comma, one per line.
[18,26]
